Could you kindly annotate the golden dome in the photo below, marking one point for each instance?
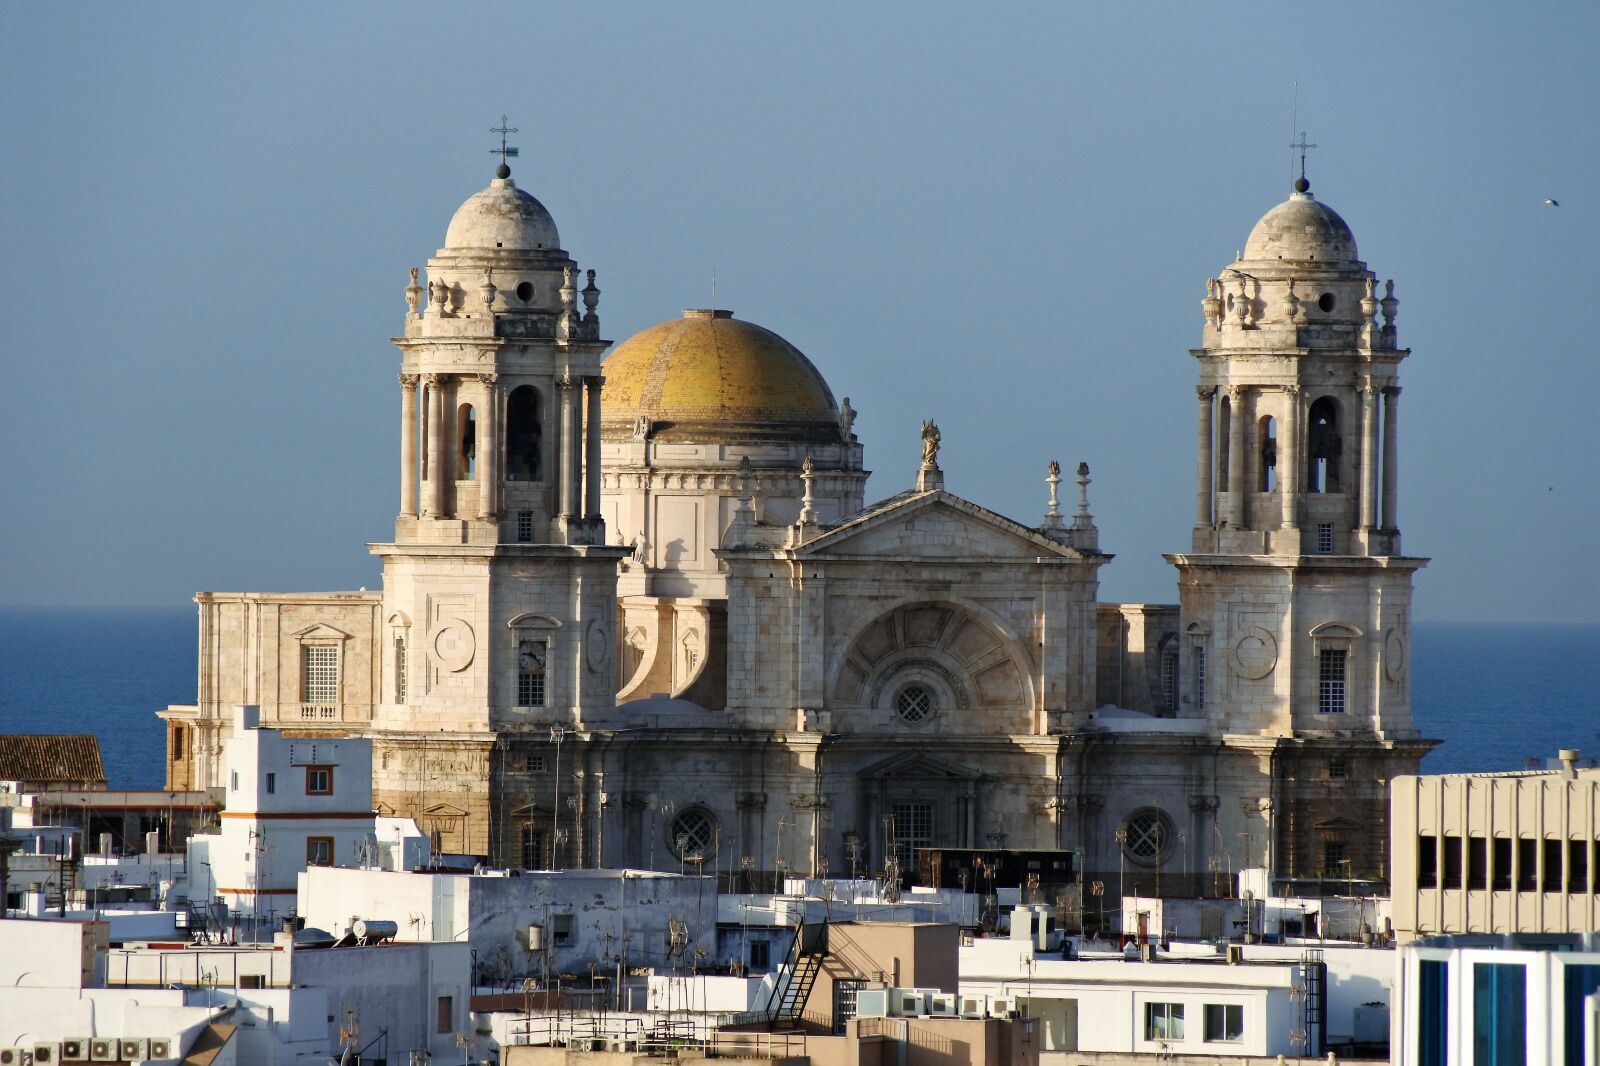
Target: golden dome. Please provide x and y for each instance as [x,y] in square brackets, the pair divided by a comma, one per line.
[708,374]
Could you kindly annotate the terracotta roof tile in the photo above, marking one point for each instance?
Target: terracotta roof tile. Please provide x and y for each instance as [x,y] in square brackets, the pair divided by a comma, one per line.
[50,757]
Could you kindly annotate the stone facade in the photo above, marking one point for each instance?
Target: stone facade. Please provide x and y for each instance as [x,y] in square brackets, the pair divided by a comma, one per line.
[664,628]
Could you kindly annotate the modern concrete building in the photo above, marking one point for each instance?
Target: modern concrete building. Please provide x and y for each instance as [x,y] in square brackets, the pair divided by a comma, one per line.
[1497,853]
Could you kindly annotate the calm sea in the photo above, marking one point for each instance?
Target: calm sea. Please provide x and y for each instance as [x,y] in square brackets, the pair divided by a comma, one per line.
[1495,694]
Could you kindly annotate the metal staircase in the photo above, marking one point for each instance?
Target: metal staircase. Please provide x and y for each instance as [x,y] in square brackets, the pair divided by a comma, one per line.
[798,974]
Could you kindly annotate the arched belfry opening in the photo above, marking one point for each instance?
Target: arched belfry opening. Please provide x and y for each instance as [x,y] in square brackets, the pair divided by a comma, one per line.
[1224,438]
[1267,434]
[524,434]
[1323,446]
[467,445]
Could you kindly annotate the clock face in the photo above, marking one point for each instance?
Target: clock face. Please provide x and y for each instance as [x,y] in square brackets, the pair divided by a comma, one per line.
[530,656]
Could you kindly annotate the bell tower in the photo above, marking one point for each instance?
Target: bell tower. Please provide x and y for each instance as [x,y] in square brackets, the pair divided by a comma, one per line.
[499,590]
[1295,595]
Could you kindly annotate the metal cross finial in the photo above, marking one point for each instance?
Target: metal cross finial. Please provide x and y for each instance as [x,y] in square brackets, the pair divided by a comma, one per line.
[505,151]
[1301,145]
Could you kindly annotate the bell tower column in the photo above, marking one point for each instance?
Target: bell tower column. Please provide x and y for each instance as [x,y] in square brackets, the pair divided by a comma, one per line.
[1391,458]
[1239,426]
[591,461]
[1369,456]
[1289,461]
[408,445]
[1202,480]
[489,448]
[571,491]
[433,506]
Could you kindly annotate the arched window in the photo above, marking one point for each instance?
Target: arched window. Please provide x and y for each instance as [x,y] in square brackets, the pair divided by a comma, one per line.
[1267,431]
[1323,446]
[523,433]
[466,457]
[1224,439]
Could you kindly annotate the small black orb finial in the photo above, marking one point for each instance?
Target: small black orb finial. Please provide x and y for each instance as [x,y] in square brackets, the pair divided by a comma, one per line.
[1302,185]
[502,171]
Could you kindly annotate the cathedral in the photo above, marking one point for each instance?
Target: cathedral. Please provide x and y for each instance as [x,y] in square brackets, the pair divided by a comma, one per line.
[637,610]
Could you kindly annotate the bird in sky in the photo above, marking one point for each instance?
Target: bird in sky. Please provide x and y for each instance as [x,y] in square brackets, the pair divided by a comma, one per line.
[1552,203]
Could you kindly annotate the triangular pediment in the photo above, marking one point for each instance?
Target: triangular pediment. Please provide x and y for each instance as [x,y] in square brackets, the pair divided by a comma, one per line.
[444,810]
[1336,824]
[920,764]
[932,525]
[321,631]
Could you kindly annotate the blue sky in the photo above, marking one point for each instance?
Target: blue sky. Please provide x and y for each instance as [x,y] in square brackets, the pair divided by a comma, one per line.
[1001,218]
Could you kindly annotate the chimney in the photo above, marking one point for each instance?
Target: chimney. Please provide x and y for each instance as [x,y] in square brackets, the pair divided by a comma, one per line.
[1569,762]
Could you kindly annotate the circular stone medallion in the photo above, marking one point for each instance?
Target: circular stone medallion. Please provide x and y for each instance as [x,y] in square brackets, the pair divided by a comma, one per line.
[595,645]
[1394,655]
[1255,655]
[454,644]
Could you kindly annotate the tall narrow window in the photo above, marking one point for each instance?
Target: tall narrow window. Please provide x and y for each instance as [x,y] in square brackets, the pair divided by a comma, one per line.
[1577,866]
[1527,865]
[1268,457]
[399,669]
[1433,1023]
[1169,681]
[1334,858]
[1551,879]
[524,527]
[467,457]
[1500,873]
[1324,538]
[1500,1014]
[1224,441]
[1323,446]
[1198,681]
[531,656]
[1452,862]
[177,743]
[1427,861]
[523,434]
[1330,681]
[320,674]
[1478,864]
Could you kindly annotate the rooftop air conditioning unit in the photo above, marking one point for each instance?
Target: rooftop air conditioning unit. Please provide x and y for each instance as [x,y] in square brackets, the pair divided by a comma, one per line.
[131,1050]
[46,1054]
[1003,1006]
[908,1002]
[1235,954]
[101,1049]
[872,1003]
[14,1056]
[75,1049]
[974,1006]
[161,1048]
[941,1005]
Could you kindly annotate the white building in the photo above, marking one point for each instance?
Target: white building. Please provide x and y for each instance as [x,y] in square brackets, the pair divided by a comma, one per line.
[64,990]
[1498,1001]
[532,924]
[291,802]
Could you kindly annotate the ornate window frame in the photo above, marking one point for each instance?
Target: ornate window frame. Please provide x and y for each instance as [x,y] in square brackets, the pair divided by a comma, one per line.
[1339,637]
[320,635]
[538,629]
